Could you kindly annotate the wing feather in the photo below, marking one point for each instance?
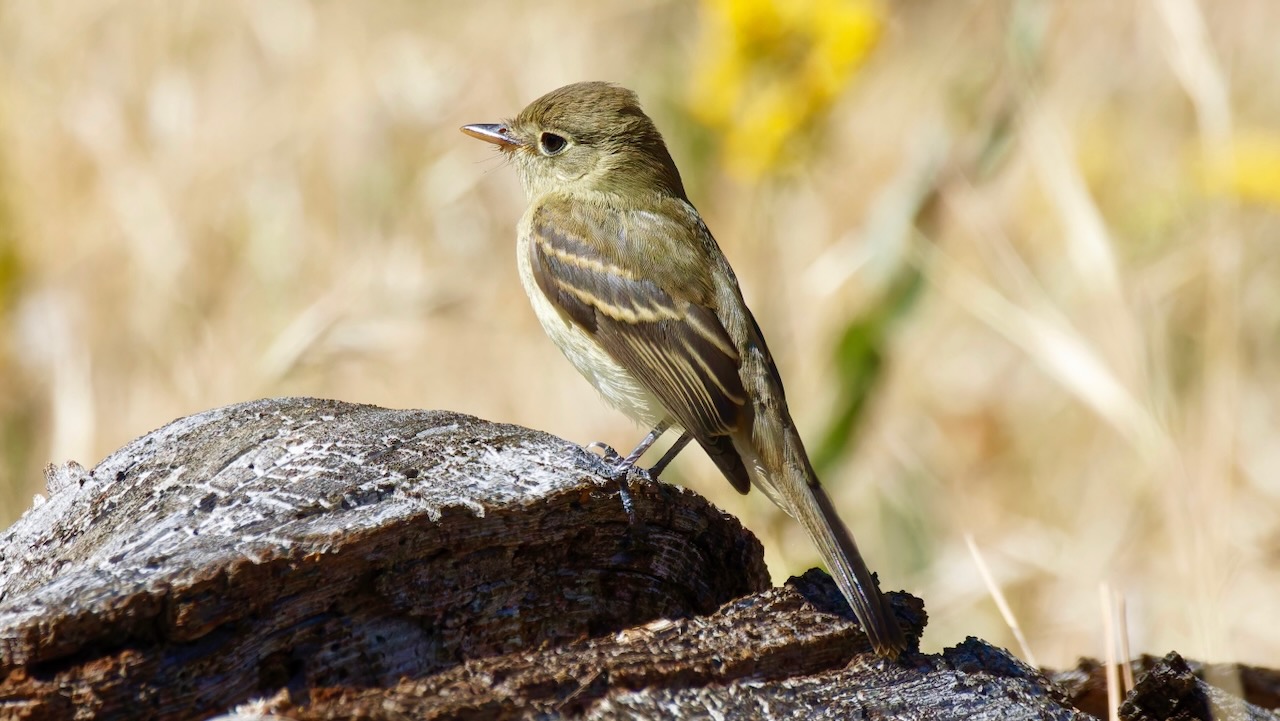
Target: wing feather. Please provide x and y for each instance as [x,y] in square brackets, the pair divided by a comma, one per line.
[590,264]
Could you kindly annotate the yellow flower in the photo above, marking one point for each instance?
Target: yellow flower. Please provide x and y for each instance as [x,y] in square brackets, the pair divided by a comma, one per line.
[771,68]
[1250,170]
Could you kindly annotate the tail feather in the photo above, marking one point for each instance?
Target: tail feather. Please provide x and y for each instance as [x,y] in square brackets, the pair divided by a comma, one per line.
[850,572]
[794,487]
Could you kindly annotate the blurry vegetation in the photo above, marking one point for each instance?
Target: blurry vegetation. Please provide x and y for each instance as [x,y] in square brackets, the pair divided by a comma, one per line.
[1017,261]
[859,360]
[18,433]
[1250,171]
[768,70]
[767,74]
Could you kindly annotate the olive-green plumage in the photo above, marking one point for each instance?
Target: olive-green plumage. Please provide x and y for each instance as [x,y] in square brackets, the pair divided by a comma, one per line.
[629,283]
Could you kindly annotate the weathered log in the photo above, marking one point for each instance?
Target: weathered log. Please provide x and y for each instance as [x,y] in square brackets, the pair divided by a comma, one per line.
[1174,688]
[786,653]
[305,544]
[343,561]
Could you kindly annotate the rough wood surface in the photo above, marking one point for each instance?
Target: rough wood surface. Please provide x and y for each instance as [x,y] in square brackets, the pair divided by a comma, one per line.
[302,543]
[304,559]
[1171,690]
[1163,680]
[786,653]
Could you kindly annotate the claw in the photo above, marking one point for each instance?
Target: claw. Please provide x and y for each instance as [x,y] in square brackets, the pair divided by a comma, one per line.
[622,466]
[607,454]
[618,469]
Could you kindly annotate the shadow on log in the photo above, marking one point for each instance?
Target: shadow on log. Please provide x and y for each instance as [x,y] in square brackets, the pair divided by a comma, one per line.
[300,558]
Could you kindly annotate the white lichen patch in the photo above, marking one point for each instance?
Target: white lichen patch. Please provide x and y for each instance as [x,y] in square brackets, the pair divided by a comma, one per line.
[260,480]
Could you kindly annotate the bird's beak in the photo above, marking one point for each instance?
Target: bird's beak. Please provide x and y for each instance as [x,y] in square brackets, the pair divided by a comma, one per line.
[499,135]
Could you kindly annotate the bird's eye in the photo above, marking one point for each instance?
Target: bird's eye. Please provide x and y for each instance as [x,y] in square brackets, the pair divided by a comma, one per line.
[552,143]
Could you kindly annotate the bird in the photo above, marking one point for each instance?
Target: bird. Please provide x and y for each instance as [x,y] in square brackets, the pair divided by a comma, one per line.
[629,283]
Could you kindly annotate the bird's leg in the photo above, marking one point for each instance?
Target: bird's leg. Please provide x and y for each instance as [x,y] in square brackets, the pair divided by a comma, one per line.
[621,466]
[645,444]
[656,469]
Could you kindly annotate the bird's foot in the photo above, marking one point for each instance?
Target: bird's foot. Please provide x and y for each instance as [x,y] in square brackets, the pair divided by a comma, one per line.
[610,457]
[619,467]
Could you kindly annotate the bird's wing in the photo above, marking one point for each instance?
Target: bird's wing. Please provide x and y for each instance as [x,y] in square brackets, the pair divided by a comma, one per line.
[610,271]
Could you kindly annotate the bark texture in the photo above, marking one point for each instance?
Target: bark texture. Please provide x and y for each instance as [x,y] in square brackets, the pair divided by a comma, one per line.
[306,544]
[304,559]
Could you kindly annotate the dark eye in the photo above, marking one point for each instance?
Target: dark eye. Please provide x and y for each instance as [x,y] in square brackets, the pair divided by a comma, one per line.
[552,143]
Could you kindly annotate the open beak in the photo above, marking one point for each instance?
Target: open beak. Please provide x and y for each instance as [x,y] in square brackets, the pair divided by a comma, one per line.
[499,135]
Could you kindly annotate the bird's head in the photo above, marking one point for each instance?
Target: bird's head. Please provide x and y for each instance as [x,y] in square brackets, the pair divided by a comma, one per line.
[590,136]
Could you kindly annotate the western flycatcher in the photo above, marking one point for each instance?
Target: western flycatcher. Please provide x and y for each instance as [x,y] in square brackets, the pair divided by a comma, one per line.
[628,282]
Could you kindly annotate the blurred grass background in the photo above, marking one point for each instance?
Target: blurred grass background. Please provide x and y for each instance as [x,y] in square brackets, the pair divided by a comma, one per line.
[1018,261]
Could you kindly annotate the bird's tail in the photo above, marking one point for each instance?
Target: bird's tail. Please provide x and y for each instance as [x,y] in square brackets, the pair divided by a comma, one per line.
[853,577]
[795,488]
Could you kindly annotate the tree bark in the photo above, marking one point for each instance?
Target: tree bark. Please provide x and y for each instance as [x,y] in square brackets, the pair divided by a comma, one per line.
[300,558]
